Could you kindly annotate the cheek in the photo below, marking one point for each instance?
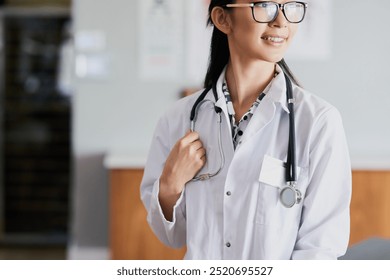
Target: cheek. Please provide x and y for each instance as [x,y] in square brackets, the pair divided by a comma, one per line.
[245,28]
[247,35]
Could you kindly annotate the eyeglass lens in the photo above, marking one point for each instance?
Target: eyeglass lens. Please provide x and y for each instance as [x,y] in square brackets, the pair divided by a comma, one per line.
[267,11]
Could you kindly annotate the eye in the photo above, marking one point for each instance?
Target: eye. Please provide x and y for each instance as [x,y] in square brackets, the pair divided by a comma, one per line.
[264,5]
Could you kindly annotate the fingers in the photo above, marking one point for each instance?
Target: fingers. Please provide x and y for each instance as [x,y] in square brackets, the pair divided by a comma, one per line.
[191,147]
[185,160]
[202,154]
[190,142]
[194,147]
[190,137]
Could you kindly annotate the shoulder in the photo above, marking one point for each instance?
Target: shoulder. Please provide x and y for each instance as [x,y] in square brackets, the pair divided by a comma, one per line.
[182,107]
[311,106]
[318,120]
[176,119]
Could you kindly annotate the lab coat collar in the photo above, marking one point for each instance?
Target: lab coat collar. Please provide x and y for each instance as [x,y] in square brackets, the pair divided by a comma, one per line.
[221,102]
[276,95]
[276,92]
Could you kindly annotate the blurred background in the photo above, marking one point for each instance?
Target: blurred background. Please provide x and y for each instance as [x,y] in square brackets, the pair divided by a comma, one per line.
[83,83]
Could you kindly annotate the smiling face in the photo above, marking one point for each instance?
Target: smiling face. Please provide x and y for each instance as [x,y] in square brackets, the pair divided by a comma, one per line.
[258,41]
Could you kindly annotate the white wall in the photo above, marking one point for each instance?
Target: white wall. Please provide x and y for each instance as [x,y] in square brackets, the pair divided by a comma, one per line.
[116,113]
[355,78]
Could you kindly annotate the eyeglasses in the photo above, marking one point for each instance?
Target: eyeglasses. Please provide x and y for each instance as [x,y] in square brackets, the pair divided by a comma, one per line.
[267,11]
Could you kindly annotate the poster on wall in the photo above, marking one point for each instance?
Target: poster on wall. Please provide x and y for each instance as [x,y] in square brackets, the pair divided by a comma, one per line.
[160,39]
[313,39]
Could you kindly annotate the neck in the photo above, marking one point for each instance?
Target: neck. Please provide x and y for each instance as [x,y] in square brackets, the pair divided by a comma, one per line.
[246,80]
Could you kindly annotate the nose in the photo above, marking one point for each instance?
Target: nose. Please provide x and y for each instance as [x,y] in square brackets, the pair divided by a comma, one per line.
[280,21]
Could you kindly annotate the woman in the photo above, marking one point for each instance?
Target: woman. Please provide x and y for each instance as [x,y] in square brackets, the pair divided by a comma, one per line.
[239,212]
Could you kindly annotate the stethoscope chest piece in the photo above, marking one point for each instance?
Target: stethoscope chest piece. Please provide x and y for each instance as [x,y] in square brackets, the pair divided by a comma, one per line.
[289,196]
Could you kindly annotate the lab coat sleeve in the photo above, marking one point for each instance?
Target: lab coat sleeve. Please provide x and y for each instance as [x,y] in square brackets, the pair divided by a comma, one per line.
[171,233]
[324,228]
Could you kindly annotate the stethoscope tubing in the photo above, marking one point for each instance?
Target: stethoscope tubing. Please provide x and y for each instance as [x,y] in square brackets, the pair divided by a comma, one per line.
[291,172]
[207,176]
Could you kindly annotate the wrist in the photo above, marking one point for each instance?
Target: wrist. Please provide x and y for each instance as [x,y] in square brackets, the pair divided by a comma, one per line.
[169,187]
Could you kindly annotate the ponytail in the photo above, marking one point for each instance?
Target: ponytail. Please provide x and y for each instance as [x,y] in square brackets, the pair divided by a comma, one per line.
[219,48]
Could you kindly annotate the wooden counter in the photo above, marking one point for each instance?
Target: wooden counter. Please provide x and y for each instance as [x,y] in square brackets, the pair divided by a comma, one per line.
[370,205]
[131,237]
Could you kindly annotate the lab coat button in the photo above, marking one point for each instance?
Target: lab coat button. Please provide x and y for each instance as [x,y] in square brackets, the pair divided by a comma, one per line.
[228,193]
[228,244]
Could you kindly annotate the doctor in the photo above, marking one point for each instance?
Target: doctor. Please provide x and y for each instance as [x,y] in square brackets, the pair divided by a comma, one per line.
[238,212]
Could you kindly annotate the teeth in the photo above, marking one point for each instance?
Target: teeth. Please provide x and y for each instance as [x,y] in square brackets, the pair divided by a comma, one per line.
[274,39]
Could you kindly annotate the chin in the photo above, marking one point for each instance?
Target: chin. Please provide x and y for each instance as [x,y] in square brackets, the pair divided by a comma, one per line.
[274,59]
[271,57]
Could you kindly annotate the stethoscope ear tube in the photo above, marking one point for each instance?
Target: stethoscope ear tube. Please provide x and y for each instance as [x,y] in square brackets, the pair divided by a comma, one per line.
[195,106]
[194,110]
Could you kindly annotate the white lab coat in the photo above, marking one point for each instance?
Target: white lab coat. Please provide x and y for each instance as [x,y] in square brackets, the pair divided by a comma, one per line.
[251,222]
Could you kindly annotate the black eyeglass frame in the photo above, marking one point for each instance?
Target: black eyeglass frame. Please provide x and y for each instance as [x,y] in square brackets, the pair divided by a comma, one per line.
[280,7]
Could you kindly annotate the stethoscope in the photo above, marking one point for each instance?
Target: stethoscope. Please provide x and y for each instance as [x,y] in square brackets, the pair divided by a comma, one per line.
[289,195]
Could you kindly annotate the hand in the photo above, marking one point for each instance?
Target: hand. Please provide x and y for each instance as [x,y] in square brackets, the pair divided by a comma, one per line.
[186,158]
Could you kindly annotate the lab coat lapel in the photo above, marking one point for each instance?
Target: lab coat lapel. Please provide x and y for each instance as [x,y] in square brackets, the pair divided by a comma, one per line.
[265,112]
[263,115]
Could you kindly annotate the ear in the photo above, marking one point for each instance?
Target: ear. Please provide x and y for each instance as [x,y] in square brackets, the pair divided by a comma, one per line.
[221,19]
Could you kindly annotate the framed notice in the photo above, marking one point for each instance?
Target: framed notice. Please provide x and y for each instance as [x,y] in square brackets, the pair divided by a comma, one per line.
[160,39]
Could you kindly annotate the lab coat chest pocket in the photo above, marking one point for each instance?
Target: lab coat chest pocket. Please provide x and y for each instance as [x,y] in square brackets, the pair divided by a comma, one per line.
[272,179]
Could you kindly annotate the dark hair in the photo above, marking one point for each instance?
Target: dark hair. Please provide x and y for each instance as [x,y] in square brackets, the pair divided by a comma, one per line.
[219,51]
